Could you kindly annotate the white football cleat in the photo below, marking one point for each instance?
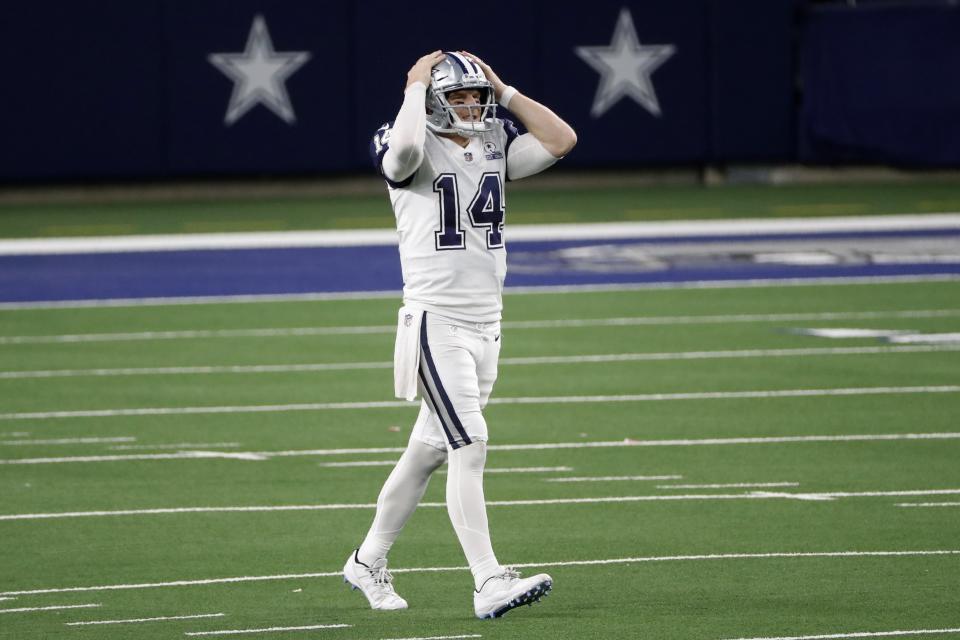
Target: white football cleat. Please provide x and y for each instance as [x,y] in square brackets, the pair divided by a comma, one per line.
[507,591]
[373,581]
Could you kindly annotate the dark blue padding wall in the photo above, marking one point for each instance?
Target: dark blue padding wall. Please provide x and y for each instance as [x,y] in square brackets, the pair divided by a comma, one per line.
[881,84]
[183,88]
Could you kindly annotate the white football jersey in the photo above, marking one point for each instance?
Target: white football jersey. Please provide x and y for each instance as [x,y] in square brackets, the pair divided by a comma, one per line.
[450,218]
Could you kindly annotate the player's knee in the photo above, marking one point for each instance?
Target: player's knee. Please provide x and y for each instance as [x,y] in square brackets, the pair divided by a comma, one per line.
[436,457]
[475,426]
[472,457]
[427,454]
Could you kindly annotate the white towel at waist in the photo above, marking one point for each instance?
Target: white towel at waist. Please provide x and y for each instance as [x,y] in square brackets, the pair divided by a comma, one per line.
[406,353]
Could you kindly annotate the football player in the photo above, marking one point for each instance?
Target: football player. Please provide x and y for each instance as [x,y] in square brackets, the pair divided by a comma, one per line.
[446,159]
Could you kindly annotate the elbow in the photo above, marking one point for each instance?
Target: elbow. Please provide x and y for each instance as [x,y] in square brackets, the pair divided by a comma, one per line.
[564,143]
[400,164]
[570,142]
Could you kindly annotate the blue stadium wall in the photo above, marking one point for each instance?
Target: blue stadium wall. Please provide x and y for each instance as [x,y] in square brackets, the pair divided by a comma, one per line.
[115,89]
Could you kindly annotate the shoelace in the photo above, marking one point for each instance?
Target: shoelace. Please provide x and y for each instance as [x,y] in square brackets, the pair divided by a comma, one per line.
[383,578]
[509,573]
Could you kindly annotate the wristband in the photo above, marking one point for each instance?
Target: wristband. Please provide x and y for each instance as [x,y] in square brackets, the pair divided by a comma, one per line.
[507,96]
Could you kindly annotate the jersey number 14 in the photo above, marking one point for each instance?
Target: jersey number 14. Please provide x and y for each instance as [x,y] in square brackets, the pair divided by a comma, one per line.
[485,210]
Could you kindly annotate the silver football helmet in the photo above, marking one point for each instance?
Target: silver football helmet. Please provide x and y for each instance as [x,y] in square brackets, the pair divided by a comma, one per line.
[453,73]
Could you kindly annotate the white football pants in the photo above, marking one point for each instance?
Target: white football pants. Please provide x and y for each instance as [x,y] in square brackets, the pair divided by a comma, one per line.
[458,366]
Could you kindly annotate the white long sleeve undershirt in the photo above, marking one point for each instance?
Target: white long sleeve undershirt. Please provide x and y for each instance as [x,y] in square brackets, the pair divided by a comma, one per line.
[409,131]
[527,156]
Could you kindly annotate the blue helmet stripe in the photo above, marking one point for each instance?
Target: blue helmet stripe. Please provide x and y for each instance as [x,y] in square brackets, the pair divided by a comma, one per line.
[460,60]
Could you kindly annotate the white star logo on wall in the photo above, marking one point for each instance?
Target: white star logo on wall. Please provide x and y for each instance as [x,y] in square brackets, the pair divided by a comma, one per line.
[259,75]
[625,68]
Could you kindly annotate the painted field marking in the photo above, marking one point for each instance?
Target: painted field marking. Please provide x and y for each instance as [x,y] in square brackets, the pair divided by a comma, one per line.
[569,563]
[929,504]
[929,338]
[361,463]
[692,229]
[521,470]
[536,360]
[204,334]
[895,336]
[510,324]
[861,634]
[611,478]
[182,445]
[6,599]
[135,620]
[736,485]
[67,441]
[238,455]
[532,290]
[812,497]
[15,434]
[753,495]
[392,404]
[757,283]
[232,632]
[390,463]
[472,635]
[51,608]
[627,442]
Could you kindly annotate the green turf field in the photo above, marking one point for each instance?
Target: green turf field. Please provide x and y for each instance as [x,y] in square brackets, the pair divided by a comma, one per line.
[810,540]
[531,205]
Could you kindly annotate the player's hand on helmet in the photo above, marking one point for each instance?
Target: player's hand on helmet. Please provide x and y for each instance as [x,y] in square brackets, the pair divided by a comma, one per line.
[498,84]
[420,71]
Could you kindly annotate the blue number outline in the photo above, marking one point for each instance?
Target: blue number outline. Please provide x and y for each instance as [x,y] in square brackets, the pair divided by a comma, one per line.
[490,185]
[449,212]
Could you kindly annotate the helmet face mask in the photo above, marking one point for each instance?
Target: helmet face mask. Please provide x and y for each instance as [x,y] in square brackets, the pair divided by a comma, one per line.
[457,73]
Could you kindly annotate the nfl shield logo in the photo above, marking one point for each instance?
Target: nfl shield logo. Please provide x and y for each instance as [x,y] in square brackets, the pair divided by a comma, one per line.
[407,320]
[468,156]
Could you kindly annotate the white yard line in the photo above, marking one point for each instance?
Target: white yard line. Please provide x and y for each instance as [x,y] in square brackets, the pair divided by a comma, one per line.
[360,463]
[51,608]
[860,634]
[522,469]
[627,442]
[532,290]
[67,441]
[233,632]
[611,478]
[732,284]
[182,445]
[537,360]
[696,442]
[472,635]
[724,354]
[137,620]
[392,404]
[928,338]
[219,370]
[515,324]
[204,334]
[390,463]
[738,485]
[754,495]
[929,504]
[518,233]
[179,301]
[573,563]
